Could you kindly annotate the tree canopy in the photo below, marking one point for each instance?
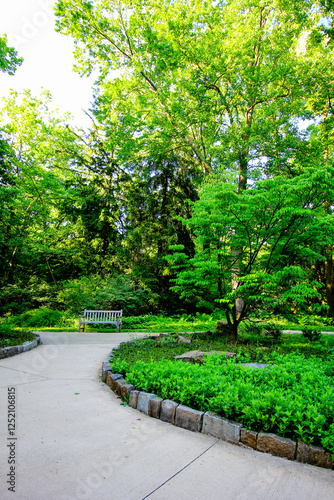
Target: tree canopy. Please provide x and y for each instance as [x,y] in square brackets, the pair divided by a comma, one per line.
[211,131]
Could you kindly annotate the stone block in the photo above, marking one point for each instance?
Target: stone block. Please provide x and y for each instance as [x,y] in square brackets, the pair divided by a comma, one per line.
[111,379]
[248,438]
[119,383]
[126,389]
[167,411]
[143,401]
[154,406]
[133,399]
[34,343]
[187,418]
[221,428]
[184,340]
[105,369]
[276,445]
[314,455]
[26,346]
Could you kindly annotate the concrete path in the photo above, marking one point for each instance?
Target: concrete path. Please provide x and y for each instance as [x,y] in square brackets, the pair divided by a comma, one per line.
[75,440]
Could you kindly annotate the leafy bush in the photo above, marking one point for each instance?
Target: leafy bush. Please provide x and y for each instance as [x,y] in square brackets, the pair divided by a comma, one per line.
[40,318]
[311,335]
[294,397]
[273,331]
[10,337]
[104,293]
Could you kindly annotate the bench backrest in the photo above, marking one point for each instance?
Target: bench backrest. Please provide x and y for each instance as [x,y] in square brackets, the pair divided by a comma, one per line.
[102,316]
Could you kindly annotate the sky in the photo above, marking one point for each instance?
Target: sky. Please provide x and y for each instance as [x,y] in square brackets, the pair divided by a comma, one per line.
[48,58]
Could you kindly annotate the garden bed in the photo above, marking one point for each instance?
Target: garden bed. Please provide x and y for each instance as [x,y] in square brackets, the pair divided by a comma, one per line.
[293,397]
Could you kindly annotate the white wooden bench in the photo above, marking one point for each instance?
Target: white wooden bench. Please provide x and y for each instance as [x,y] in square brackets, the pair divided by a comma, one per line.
[106,317]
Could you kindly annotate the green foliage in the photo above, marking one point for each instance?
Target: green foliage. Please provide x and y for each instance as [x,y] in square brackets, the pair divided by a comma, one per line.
[259,244]
[273,331]
[311,335]
[104,293]
[293,397]
[8,57]
[9,337]
[39,318]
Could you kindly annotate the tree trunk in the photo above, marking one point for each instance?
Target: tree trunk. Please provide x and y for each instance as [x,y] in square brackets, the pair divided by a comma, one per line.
[329,269]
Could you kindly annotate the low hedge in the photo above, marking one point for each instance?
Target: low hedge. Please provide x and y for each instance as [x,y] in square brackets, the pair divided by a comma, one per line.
[293,397]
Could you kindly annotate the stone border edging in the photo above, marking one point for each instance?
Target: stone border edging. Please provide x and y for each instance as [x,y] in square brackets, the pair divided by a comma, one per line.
[7,352]
[212,424]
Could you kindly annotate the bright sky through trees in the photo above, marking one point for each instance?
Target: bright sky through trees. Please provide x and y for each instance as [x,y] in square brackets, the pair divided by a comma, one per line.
[48,59]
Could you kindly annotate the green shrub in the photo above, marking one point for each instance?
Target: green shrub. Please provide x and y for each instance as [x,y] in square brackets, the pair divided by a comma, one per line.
[273,331]
[311,335]
[294,397]
[104,293]
[39,318]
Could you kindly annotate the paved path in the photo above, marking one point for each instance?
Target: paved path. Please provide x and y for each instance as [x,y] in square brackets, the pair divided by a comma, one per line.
[75,440]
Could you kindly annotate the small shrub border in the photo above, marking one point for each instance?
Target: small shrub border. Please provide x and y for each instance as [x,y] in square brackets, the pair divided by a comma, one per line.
[7,352]
[208,422]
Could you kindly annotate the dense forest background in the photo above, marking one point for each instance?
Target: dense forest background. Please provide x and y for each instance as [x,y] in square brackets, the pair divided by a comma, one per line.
[206,178]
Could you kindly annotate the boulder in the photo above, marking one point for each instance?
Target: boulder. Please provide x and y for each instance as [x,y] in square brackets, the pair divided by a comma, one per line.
[184,340]
[195,356]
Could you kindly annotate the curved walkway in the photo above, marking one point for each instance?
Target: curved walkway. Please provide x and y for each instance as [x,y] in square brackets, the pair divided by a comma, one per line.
[75,440]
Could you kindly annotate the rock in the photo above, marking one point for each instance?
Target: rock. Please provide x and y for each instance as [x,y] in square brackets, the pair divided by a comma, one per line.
[222,328]
[314,455]
[230,354]
[143,401]
[105,369]
[119,383]
[125,390]
[133,399]
[167,411]
[195,356]
[111,379]
[254,366]
[248,438]
[187,418]
[276,445]
[221,428]
[184,340]
[154,406]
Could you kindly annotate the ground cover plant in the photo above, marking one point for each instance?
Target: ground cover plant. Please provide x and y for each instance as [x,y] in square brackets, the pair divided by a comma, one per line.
[293,397]
[10,337]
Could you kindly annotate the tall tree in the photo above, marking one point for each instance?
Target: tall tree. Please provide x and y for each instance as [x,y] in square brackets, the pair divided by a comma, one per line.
[280,229]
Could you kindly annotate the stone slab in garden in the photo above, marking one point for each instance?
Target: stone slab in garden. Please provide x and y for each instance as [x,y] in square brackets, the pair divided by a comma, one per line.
[119,384]
[143,401]
[195,356]
[276,445]
[310,454]
[221,428]
[154,406]
[167,411]
[133,399]
[187,418]
[254,366]
[248,438]
[112,378]
[126,390]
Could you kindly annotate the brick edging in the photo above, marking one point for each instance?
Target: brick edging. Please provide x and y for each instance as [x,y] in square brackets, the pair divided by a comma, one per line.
[7,352]
[214,425]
